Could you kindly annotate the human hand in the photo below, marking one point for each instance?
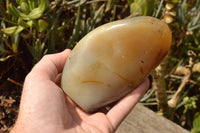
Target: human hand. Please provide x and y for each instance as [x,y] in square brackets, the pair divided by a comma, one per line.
[44,107]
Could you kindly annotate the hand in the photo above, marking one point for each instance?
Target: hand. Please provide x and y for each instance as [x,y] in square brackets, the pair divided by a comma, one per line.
[44,108]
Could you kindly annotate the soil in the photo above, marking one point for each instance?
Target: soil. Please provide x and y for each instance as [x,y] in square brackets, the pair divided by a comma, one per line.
[12,74]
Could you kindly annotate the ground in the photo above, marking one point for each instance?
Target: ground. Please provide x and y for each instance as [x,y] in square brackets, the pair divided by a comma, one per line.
[11,80]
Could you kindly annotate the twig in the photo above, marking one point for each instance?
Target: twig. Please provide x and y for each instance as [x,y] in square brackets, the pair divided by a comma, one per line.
[9,56]
[173,102]
[159,84]
[180,77]
[175,99]
[15,82]
[159,8]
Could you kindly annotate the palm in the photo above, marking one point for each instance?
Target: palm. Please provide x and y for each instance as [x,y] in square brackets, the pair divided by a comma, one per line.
[45,108]
[51,107]
[75,118]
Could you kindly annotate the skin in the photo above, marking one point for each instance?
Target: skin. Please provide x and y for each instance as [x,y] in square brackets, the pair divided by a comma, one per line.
[44,107]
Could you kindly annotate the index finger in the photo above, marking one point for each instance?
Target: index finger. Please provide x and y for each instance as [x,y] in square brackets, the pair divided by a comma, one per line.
[51,65]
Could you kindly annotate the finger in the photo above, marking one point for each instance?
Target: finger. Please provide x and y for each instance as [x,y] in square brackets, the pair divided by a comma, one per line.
[51,65]
[117,114]
[58,79]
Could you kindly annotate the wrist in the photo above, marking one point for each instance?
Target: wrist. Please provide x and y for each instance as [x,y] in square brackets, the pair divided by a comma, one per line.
[16,129]
[21,127]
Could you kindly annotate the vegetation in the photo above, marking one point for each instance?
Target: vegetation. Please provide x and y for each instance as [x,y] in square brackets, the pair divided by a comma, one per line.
[30,29]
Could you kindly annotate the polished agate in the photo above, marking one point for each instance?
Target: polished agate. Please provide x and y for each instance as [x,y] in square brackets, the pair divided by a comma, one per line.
[113,59]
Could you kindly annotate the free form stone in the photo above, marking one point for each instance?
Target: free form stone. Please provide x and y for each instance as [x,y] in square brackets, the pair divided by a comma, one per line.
[113,59]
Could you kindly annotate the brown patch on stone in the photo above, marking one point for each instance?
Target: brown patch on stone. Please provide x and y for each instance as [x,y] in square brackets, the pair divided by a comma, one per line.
[121,77]
[141,70]
[91,81]
[161,54]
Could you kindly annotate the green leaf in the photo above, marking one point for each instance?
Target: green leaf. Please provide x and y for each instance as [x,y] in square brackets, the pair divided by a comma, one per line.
[142,7]
[18,2]
[32,4]
[76,30]
[175,1]
[25,8]
[3,50]
[35,13]
[15,42]
[43,25]
[140,3]
[99,14]
[181,11]
[16,13]
[196,124]
[13,11]
[196,19]
[148,7]
[30,23]
[22,23]
[135,8]
[109,5]
[44,4]
[12,30]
